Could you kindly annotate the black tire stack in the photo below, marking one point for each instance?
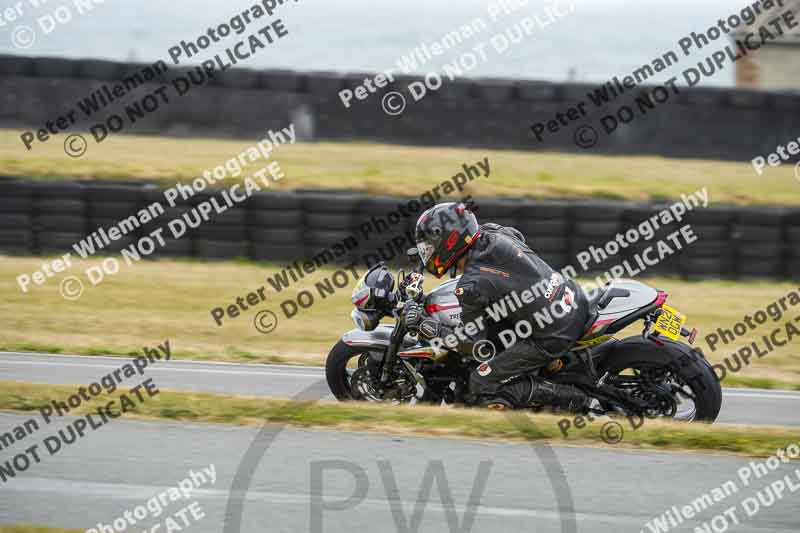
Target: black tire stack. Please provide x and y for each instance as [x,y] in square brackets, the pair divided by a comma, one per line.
[497,211]
[331,119]
[223,235]
[330,227]
[501,211]
[173,247]
[759,243]
[276,227]
[108,205]
[48,218]
[593,225]
[546,226]
[632,218]
[792,236]
[410,235]
[60,216]
[714,251]
[16,206]
[387,239]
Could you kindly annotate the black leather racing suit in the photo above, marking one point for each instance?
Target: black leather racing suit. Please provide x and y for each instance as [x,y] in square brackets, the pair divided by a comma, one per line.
[506,287]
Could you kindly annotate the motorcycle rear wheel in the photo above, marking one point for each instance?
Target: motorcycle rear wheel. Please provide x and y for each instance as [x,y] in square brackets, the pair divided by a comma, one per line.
[691,373]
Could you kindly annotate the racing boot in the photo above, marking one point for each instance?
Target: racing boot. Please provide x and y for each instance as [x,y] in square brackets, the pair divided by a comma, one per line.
[531,391]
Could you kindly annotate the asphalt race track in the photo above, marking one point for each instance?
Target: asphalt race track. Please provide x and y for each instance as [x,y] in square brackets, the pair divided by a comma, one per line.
[740,406]
[111,470]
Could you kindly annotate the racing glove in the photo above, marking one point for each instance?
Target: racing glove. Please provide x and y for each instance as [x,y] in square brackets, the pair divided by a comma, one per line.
[412,316]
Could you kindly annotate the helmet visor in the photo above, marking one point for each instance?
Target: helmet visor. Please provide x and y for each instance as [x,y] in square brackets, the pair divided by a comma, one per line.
[426,251]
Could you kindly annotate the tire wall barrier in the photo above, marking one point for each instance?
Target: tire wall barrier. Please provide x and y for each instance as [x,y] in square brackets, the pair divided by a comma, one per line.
[38,217]
[701,122]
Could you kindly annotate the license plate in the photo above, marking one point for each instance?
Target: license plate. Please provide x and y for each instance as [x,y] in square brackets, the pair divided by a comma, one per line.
[670,322]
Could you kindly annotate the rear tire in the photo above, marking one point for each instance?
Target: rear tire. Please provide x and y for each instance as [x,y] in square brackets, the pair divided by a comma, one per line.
[687,365]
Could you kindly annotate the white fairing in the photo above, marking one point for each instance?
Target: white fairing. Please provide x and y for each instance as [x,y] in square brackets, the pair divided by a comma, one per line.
[443,305]
[378,338]
[640,296]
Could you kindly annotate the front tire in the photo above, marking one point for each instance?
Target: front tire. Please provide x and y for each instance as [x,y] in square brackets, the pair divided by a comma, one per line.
[689,368]
[336,372]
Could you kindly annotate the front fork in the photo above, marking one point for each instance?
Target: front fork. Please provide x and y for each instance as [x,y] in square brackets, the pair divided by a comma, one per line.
[395,341]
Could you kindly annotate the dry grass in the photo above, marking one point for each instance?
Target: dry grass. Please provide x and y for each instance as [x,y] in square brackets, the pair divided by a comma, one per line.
[470,423]
[156,300]
[28,528]
[402,170]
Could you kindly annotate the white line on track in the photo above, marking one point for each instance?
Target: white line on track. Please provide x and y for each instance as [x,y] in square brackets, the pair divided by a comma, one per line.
[15,358]
[163,368]
[748,394]
[130,492]
[114,358]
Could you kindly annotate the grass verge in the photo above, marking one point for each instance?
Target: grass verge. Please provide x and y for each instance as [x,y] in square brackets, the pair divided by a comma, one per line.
[753,382]
[467,423]
[405,170]
[28,528]
[132,309]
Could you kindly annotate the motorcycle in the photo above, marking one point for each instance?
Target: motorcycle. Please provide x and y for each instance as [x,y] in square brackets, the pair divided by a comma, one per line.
[650,375]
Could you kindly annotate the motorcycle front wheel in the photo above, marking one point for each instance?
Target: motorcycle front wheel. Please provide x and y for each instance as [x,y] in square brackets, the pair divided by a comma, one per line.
[342,363]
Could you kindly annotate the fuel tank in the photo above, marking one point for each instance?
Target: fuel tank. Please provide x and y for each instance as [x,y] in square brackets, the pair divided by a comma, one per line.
[442,304]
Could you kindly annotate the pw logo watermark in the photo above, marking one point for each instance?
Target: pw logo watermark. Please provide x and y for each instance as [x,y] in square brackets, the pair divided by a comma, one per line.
[434,473]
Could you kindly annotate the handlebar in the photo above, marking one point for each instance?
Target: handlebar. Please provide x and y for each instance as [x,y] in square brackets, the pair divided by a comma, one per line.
[399,332]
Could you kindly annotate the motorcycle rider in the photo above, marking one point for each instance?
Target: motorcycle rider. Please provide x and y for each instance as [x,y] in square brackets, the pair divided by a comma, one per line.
[496,262]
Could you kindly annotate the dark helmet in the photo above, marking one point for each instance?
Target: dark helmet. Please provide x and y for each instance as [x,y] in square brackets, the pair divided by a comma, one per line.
[373,297]
[444,233]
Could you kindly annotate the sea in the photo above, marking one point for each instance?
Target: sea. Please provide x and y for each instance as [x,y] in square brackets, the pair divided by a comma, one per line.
[595,41]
